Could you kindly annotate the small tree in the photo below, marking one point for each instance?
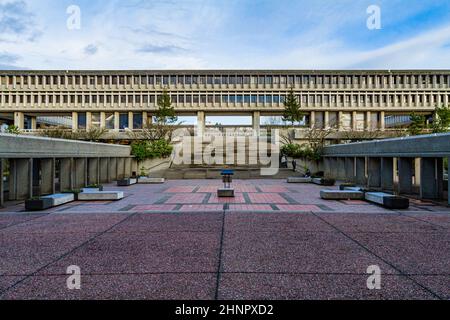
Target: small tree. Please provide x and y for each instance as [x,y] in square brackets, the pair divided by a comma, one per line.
[13,130]
[418,124]
[292,112]
[166,112]
[441,121]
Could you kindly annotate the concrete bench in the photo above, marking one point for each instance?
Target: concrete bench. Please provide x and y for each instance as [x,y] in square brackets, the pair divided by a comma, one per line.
[299,180]
[341,195]
[353,189]
[147,180]
[387,200]
[126,182]
[100,196]
[324,181]
[225,193]
[60,198]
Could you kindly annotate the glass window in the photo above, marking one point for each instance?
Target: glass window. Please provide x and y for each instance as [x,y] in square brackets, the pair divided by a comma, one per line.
[137,120]
[123,120]
[225,98]
[82,120]
[276,99]
[239,98]
[232,98]
[109,120]
[268,99]
[95,119]
[261,99]
[254,98]
[246,98]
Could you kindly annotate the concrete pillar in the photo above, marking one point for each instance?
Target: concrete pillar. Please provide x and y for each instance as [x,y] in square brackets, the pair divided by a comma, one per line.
[130,120]
[374,172]
[128,169]
[2,187]
[19,120]
[74,121]
[21,179]
[102,120]
[47,176]
[354,122]
[333,168]
[405,173]
[80,180]
[145,119]
[120,168]
[416,169]
[360,170]
[66,174]
[112,169]
[431,177]
[326,121]
[340,166]
[312,119]
[368,121]
[200,123]
[256,122]
[116,121]
[382,121]
[88,121]
[33,123]
[104,170]
[93,170]
[387,173]
[349,169]
[327,166]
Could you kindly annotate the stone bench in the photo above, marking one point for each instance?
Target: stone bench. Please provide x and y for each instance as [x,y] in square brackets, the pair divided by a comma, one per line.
[126,182]
[100,196]
[225,193]
[60,198]
[299,180]
[387,200]
[324,181]
[341,195]
[147,180]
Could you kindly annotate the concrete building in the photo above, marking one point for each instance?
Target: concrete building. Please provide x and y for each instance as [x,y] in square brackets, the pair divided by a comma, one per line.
[115,100]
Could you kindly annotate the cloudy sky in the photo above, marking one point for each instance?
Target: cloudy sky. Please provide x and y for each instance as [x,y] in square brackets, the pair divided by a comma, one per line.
[219,34]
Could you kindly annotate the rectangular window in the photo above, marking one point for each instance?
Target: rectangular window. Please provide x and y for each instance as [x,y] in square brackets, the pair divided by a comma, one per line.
[123,121]
[82,120]
[261,99]
[109,120]
[137,120]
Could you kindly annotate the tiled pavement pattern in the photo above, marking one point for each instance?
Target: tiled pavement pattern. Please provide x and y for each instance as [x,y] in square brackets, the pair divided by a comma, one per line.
[179,241]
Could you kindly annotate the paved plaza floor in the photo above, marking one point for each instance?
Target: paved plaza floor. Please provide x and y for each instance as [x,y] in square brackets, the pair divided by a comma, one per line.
[179,241]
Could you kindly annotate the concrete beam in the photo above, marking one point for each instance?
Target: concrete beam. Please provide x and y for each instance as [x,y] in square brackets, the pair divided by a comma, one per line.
[431,178]
[387,173]
[374,172]
[405,174]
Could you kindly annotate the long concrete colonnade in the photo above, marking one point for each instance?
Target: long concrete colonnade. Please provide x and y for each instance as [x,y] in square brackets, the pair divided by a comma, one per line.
[36,164]
[393,164]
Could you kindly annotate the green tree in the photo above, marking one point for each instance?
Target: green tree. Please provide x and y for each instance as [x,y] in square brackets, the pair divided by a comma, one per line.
[292,112]
[166,112]
[441,122]
[418,124]
[13,130]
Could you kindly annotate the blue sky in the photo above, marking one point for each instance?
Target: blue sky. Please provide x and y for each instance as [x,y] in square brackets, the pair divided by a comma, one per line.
[223,34]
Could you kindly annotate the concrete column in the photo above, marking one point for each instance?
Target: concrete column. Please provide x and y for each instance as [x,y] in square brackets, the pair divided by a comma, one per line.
[416,171]
[112,169]
[80,180]
[431,173]
[33,123]
[405,173]
[350,169]
[130,120]
[256,122]
[88,120]
[145,119]
[374,172]
[312,119]
[354,123]
[116,121]
[65,174]
[21,179]
[128,169]
[340,166]
[120,168]
[368,121]
[332,172]
[327,166]
[74,121]
[104,170]
[102,120]
[12,195]
[360,170]
[200,123]
[387,173]
[19,120]
[382,121]
[2,187]
[47,176]
[326,122]
[93,169]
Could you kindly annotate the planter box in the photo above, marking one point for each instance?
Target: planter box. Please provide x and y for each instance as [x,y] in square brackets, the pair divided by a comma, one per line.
[324,182]
[100,196]
[126,182]
[38,204]
[147,180]
[225,193]
[341,195]
[299,180]
[387,200]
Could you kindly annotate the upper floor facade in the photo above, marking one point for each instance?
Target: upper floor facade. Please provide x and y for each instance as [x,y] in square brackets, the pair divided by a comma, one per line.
[223,90]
